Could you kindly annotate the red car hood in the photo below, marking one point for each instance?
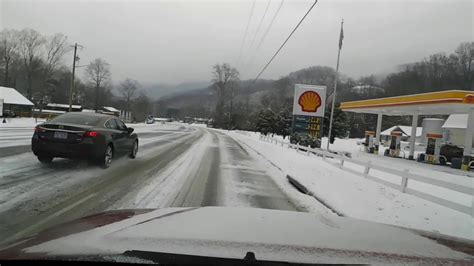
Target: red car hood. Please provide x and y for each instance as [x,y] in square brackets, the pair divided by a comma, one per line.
[232,232]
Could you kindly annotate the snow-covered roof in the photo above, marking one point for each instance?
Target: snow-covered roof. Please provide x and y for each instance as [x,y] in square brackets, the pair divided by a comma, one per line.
[406,130]
[12,96]
[110,109]
[362,87]
[63,105]
[456,121]
[88,110]
[50,111]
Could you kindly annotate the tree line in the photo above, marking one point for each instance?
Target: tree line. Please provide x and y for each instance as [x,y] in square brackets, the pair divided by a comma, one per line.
[33,64]
[265,106]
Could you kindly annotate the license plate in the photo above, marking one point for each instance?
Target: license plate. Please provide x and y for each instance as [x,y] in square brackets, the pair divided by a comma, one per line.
[60,135]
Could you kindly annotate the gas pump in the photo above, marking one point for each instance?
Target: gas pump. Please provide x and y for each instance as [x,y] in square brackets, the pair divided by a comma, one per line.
[433,147]
[395,138]
[369,141]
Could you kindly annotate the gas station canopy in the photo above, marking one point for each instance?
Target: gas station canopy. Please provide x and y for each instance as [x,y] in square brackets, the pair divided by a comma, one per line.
[433,103]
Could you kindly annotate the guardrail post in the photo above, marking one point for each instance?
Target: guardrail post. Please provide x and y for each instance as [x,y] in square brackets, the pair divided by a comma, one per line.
[324,155]
[298,147]
[404,181]
[367,169]
[307,151]
[342,163]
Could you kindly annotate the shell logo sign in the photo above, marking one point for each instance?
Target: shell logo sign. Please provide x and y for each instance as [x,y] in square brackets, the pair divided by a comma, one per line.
[309,100]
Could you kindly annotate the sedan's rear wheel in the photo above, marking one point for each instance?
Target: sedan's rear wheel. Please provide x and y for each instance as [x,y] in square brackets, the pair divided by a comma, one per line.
[106,160]
[45,159]
[133,153]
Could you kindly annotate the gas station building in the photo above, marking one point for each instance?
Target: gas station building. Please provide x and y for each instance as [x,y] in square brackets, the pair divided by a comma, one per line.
[433,103]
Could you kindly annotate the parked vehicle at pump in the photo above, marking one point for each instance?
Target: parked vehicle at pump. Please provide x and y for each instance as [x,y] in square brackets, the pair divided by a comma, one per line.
[450,152]
[150,119]
[97,137]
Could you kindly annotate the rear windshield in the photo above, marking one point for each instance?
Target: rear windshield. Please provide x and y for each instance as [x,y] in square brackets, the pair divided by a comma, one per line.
[77,119]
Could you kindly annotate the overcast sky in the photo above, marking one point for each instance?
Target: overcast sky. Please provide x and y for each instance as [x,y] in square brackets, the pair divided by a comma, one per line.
[179,41]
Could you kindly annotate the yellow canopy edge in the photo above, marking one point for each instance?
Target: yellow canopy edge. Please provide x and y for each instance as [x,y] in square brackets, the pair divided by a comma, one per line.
[451,96]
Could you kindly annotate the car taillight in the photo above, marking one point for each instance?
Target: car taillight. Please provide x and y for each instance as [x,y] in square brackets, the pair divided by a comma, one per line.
[39,129]
[91,134]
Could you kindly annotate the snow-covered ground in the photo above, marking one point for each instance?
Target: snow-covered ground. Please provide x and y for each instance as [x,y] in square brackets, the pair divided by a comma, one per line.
[17,131]
[364,199]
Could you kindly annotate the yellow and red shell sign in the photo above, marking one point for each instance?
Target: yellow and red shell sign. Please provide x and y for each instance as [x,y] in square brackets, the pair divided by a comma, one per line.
[309,101]
[469,98]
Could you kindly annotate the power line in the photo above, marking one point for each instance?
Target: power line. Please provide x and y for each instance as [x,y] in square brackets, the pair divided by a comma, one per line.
[270,26]
[260,24]
[283,44]
[246,31]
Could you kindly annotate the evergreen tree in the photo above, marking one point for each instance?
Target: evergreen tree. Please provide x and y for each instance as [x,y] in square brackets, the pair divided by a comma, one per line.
[340,125]
[266,122]
[283,125]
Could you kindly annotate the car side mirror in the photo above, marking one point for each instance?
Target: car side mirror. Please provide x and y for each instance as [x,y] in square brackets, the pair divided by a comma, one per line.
[130,130]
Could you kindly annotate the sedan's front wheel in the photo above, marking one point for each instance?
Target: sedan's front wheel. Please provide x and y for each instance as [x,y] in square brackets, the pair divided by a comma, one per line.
[133,153]
[106,160]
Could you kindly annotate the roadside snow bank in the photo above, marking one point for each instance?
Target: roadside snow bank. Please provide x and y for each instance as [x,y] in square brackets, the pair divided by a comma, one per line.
[20,122]
[357,197]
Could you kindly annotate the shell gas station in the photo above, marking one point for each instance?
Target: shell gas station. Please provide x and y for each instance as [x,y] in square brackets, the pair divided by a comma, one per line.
[415,105]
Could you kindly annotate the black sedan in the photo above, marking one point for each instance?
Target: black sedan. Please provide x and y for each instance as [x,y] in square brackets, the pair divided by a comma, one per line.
[92,136]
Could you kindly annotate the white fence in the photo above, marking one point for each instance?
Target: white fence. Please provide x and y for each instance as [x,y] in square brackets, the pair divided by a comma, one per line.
[339,160]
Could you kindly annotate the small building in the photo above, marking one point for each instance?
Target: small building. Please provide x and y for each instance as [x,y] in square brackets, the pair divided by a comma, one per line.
[455,129]
[52,110]
[163,119]
[13,103]
[110,111]
[63,107]
[406,133]
[126,116]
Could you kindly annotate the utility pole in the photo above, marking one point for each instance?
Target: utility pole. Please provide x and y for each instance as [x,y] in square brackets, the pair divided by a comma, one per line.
[71,89]
[97,98]
[231,104]
[341,36]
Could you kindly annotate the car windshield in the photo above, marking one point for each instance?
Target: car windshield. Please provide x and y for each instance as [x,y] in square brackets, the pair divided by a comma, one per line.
[324,112]
[77,119]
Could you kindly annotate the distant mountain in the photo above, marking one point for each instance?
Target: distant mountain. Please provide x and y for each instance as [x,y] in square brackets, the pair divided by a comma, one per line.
[200,101]
[158,90]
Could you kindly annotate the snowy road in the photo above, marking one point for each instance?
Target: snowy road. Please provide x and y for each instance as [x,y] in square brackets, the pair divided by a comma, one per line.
[177,166]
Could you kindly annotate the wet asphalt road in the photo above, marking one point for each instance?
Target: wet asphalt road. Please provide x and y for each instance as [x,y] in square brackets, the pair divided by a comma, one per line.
[180,167]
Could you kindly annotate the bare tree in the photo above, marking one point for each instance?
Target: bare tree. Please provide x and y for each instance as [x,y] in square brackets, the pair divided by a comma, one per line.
[56,47]
[128,88]
[98,73]
[142,106]
[8,51]
[225,78]
[465,53]
[30,51]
